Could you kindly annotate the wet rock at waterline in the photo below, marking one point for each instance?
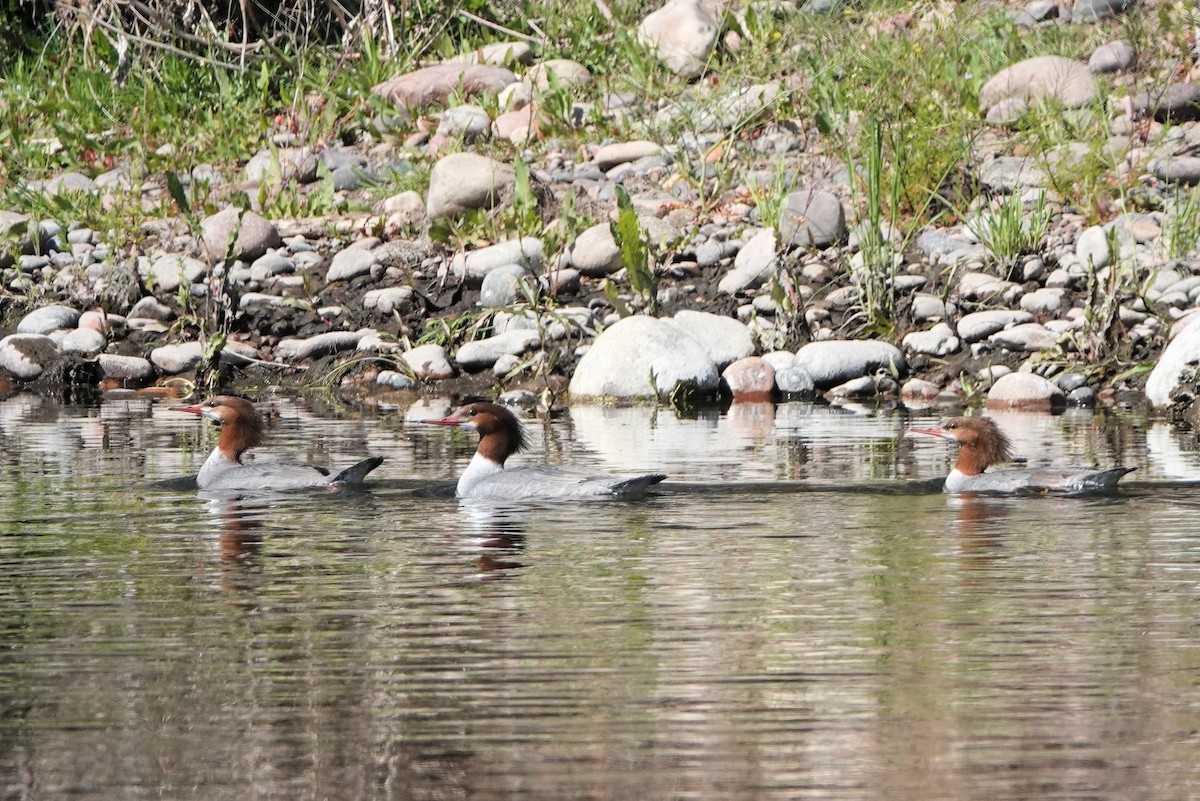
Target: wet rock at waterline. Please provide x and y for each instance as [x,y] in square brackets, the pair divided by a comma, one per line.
[643,357]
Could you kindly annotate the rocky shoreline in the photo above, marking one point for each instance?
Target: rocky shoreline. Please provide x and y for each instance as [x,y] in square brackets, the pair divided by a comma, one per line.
[609,271]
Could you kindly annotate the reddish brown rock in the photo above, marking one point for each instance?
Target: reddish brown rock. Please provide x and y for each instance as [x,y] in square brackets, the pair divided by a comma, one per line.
[434,85]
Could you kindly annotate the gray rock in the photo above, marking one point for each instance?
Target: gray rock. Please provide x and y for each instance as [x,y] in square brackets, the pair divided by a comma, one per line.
[1011,174]
[497,53]
[1043,301]
[502,286]
[254,235]
[47,319]
[1096,10]
[976,286]
[280,165]
[1008,93]
[351,263]
[428,362]
[753,264]
[417,90]
[1025,391]
[976,326]
[81,340]
[1081,397]
[610,156]
[724,339]
[270,265]
[834,362]
[595,252]
[780,359]
[563,72]
[393,380]
[937,341]
[319,345]
[866,386]
[461,182]
[1092,247]
[483,353]
[466,122]
[1026,337]
[149,308]
[473,266]
[812,218]
[738,107]
[26,356]
[682,34]
[407,207]
[795,382]
[133,369]
[1179,102]
[386,301]
[931,307]
[1115,56]
[1181,355]
[168,271]
[644,357]
[177,357]
[918,391]
[1177,169]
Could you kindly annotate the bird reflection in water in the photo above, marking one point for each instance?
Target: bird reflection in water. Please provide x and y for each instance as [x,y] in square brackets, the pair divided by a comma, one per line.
[495,531]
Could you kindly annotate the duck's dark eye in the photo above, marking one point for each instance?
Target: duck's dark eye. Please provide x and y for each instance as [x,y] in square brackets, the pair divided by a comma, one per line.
[950,425]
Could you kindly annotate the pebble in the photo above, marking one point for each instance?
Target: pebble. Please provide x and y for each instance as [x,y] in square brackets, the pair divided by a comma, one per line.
[595,252]
[417,90]
[87,341]
[502,285]
[482,354]
[812,218]
[254,235]
[351,263]
[386,301]
[753,265]
[937,341]
[834,362]
[1026,337]
[428,362]
[681,34]
[473,267]
[1025,391]
[976,326]
[132,369]
[461,182]
[610,156]
[48,318]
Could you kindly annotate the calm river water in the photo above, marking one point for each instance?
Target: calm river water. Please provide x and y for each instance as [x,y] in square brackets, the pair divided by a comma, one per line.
[799,614]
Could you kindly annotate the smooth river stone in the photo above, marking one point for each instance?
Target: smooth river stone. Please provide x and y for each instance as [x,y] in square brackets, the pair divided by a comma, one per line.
[724,339]
[835,362]
[1025,391]
[643,357]
[26,356]
[979,325]
[47,319]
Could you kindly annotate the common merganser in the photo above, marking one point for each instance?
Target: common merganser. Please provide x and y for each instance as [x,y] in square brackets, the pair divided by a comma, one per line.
[500,436]
[982,444]
[242,428]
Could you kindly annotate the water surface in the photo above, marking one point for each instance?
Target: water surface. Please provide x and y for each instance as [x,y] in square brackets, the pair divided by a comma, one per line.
[799,614]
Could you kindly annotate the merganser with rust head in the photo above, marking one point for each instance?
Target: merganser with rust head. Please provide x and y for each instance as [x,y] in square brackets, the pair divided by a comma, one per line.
[500,436]
[243,428]
[982,444]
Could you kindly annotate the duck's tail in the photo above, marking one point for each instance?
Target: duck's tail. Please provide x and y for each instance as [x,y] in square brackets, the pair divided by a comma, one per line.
[355,473]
